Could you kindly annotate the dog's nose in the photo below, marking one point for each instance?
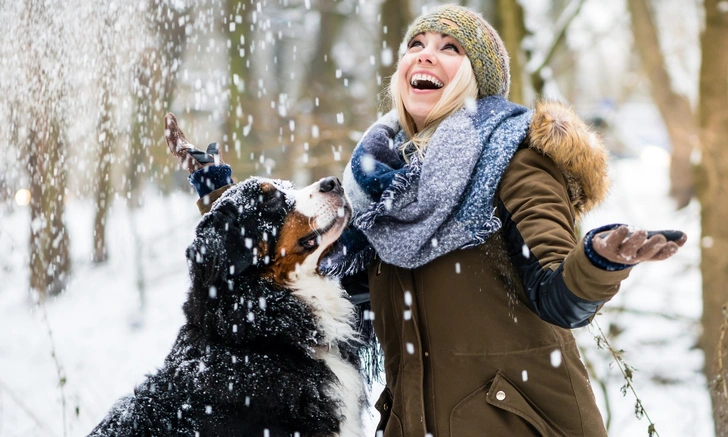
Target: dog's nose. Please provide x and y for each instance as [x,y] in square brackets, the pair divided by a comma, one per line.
[329,184]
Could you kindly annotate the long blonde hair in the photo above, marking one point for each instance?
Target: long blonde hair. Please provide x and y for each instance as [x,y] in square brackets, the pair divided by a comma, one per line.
[462,87]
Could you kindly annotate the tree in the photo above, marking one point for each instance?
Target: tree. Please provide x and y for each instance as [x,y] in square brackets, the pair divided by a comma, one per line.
[705,131]
[244,106]
[712,191]
[512,30]
[107,131]
[328,106]
[541,59]
[154,85]
[47,90]
[395,16]
[681,124]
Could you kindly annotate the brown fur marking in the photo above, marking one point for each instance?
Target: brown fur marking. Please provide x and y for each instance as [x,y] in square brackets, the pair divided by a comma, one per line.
[295,227]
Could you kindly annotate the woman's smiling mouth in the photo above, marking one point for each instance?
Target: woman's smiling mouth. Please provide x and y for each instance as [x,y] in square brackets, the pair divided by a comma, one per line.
[422,81]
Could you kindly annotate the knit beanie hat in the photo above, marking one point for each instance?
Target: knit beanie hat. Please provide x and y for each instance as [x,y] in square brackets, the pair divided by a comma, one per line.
[481,42]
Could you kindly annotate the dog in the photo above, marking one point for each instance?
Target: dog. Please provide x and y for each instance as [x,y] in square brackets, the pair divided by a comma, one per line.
[268,344]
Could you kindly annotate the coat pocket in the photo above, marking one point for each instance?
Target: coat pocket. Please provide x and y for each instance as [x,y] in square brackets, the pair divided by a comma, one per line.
[384,407]
[389,423]
[500,409]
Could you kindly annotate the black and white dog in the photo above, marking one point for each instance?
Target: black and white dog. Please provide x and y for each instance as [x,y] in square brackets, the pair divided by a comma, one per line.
[267,348]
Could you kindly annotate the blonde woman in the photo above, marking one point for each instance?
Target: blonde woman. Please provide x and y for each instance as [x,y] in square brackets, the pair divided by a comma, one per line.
[465,213]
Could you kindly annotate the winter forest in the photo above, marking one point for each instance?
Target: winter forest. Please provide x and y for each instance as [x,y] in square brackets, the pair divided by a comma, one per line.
[95,214]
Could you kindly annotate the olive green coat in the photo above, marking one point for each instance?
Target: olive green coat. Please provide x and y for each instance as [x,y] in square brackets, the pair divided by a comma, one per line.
[465,355]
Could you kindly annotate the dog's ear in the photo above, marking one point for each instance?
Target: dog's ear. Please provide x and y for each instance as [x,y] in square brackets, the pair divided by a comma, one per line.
[221,249]
[238,244]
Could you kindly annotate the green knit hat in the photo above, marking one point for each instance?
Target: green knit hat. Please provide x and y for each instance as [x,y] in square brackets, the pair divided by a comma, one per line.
[481,42]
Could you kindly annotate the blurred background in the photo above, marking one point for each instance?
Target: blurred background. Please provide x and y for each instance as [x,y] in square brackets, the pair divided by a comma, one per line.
[95,213]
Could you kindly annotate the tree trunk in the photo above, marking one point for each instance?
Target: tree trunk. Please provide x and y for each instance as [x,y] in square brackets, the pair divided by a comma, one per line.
[156,79]
[107,134]
[395,17]
[680,122]
[107,141]
[50,262]
[512,29]
[712,190]
[242,126]
[330,100]
[44,111]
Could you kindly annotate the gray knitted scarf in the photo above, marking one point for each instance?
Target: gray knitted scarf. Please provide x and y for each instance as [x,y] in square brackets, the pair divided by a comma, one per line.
[414,212]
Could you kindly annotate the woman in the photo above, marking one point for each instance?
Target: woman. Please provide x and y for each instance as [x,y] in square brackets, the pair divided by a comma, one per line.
[469,204]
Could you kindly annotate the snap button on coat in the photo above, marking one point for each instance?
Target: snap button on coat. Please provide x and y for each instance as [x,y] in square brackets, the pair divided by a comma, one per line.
[500,395]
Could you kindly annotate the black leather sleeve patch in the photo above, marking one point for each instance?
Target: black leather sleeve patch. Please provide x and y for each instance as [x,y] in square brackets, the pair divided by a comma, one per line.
[548,295]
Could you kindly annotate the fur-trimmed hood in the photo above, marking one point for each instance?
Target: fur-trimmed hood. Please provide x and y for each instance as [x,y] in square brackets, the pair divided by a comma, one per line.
[557,132]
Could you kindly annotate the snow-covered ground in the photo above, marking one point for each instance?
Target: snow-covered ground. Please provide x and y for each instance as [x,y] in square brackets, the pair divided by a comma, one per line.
[104,345]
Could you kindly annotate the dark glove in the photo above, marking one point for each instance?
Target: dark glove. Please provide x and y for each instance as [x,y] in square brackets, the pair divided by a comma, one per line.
[189,157]
[623,246]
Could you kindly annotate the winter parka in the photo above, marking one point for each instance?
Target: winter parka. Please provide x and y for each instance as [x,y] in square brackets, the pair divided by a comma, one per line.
[475,344]
[478,341]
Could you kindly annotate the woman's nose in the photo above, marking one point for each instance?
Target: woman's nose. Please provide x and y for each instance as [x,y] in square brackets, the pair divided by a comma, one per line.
[426,55]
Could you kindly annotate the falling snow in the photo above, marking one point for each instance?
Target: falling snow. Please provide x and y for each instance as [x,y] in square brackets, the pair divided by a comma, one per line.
[556,358]
[107,337]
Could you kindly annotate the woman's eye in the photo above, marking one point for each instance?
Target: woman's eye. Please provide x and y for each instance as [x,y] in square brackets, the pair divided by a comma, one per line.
[451,46]
[416,43]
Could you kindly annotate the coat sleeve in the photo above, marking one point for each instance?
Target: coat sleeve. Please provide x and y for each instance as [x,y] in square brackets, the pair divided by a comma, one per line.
[205,202]
[564,283]
[210,182]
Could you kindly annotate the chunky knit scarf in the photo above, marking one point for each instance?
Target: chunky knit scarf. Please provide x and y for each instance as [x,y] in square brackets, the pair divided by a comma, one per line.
[413,212]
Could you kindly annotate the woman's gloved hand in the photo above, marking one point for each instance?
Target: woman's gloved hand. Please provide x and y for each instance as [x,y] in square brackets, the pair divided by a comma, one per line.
[189,157]
[622,246]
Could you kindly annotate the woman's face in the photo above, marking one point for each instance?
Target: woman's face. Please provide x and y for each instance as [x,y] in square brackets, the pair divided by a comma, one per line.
[427,67]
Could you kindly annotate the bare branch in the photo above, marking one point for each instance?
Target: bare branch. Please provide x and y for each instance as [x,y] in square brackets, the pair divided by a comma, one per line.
[626,370]
[562,25]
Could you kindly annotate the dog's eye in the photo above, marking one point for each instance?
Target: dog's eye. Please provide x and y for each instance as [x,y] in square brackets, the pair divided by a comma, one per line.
[310,242]
[267,197]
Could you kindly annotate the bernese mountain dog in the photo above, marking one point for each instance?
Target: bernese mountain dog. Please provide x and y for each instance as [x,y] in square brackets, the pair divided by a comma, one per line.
[269,344]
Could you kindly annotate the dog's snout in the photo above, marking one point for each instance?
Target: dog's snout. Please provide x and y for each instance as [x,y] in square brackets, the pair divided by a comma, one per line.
[329,184]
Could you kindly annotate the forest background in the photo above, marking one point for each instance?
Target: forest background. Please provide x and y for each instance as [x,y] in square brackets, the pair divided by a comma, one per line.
[95,214]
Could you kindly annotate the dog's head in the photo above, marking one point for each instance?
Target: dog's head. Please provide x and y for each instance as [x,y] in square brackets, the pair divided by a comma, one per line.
[265,228]
[258,237]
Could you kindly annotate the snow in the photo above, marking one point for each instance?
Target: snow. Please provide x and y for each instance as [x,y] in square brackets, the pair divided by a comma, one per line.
[102,341]
[655,318]
[102,335]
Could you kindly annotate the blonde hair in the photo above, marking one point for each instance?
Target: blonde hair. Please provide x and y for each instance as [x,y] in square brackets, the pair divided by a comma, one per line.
[463,86]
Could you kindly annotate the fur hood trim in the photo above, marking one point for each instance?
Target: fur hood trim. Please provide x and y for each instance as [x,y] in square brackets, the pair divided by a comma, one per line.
[557,132]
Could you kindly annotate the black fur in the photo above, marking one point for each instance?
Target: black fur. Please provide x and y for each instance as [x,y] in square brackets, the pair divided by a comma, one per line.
[241,363]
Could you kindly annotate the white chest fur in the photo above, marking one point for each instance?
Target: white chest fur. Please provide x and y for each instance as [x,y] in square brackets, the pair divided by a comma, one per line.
[349,390]
[335,314]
